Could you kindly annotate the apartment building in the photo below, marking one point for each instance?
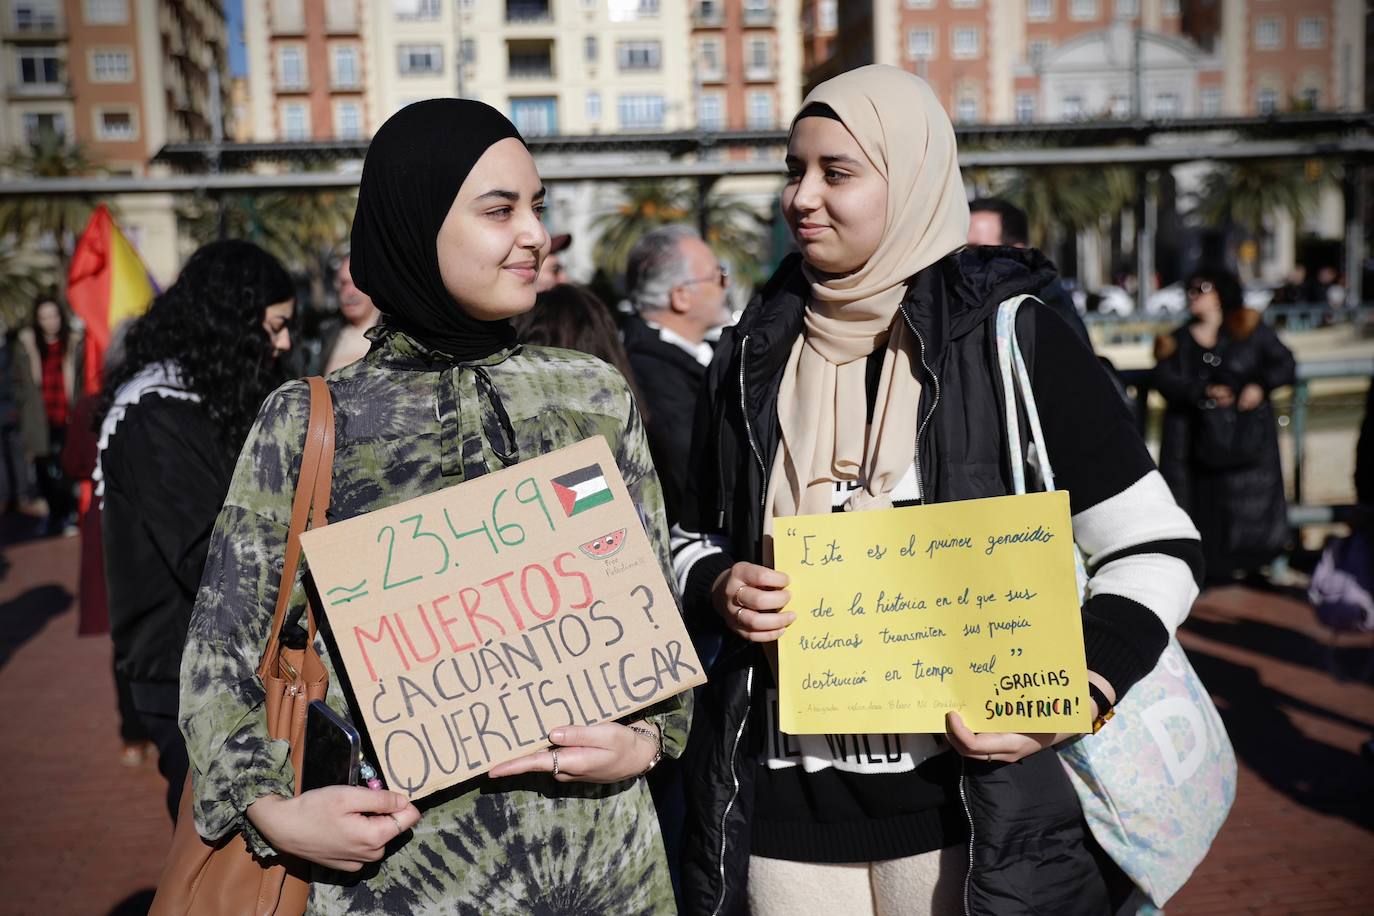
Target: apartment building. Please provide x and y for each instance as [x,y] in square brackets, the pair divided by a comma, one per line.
[1057,60]
[122,77]
[746,63]
[305,76]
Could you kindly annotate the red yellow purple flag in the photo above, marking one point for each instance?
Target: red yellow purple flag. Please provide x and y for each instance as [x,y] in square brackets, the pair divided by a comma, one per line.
[107,284]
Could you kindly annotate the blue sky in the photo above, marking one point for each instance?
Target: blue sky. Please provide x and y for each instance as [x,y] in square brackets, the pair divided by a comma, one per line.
[238,61]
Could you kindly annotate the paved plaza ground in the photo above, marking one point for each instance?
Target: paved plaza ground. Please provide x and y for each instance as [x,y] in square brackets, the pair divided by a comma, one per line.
[81,834]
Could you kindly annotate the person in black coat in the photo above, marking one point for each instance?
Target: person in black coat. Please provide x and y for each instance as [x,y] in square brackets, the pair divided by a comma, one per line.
[677,287]
[172,420]
[1220,446]
[864,377]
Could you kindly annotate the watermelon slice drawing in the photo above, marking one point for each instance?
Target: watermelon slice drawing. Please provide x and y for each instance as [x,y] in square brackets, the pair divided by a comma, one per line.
[608,545]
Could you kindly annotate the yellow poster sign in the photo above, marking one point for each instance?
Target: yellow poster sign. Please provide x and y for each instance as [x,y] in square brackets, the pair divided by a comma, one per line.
[906,614]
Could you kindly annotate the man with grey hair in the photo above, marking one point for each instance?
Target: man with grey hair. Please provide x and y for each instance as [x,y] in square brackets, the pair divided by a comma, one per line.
[677,288]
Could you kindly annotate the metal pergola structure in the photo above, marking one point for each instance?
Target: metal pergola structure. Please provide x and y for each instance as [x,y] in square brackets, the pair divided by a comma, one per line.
[1146,145]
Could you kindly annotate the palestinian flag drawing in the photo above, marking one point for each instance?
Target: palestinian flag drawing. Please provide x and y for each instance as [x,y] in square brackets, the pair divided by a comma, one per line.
[581,490]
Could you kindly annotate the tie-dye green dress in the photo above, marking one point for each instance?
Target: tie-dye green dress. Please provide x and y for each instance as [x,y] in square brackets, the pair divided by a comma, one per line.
[410,423]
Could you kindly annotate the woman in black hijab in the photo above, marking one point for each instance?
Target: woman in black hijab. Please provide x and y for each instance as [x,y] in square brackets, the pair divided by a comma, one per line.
[447,241]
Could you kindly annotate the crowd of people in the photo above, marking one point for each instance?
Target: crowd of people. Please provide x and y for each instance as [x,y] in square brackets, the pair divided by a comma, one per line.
[860,377]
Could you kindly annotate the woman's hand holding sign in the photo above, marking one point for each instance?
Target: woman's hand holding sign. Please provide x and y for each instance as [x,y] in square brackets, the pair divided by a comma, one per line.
[750,599]
[605,753]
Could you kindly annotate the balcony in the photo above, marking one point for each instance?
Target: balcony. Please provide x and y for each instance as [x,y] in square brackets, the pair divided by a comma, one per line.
[521,12]
[708,16]
[58,89]
[530,60]
[760,73]
[291,83]
[758,18]
[33,25]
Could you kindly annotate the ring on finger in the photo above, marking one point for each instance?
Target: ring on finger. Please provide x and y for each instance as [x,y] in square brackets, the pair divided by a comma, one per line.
[399,829]
[735,598]
[988,757]
[555,763]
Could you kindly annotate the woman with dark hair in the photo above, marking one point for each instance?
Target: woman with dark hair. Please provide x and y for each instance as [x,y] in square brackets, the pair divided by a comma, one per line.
[448,241]
[54,354]
[1220,447]
[173,417]
[572,317]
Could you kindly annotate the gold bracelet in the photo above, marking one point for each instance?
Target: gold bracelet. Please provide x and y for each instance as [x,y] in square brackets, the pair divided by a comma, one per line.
[656,736]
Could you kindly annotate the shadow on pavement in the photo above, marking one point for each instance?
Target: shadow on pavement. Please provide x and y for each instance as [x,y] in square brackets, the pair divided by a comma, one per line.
[1264,638]
[136,904]
[1314,774]
[23,617]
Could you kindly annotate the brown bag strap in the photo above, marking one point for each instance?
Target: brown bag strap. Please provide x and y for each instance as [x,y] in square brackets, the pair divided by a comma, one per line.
[312,492]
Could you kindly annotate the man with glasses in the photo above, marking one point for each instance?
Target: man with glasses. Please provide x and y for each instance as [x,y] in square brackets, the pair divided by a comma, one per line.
[677,288]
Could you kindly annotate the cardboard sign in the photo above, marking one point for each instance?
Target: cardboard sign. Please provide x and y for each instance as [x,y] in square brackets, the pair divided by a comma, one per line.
[905,614]
[473,621]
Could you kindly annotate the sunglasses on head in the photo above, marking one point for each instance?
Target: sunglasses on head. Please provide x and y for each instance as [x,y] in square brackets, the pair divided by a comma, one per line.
[1200,288]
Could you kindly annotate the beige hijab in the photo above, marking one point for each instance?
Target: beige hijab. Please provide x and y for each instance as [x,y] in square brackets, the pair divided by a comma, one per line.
[822,404]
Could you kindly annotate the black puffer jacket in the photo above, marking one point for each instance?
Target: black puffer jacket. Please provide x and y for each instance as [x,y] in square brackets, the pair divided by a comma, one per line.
[1027,842]
[1240,509]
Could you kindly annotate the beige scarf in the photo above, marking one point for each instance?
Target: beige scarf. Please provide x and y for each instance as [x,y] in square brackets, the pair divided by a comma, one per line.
[822,404]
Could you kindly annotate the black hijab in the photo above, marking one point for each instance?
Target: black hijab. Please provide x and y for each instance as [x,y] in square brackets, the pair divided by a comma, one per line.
[415,165]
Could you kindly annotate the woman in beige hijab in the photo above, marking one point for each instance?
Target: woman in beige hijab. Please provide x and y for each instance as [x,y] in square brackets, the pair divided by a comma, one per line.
[862,377]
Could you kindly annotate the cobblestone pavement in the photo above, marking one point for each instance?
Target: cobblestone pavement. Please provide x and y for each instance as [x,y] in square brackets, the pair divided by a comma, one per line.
[82,834]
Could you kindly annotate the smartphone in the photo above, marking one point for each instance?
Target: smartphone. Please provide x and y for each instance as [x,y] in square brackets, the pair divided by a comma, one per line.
[333,749]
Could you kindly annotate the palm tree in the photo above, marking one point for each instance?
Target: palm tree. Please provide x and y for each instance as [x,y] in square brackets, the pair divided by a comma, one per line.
[301,228]
[1068,197]
[25,274]
[50,220]
[736,232]
[1244,193]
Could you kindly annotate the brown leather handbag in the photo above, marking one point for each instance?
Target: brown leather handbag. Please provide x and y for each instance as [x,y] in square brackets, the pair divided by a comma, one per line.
[210,879]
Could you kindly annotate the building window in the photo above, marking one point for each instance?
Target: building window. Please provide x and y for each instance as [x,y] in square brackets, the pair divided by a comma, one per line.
[641,112]
[1082,9]
[710,59]
[920,4]
[1312,32]
[1210,100]
[963,41]
[1127,9]
[710,112]
[1268,34]
[467,51]
[1310,98]
[1164,105]
[348,121]
[35,16]
[758,12]
[112,66]
[38,123]
[920,44]
[105,12]
[420,60]
[1070,107]
[1119,105]
[295,122]
[593,107]
[415,10]
[639,55]
[115,125]
[758,59]
[39,67]
[590,50]
[1039,10]
[346,68]
[290,68]
[1037,50]
[1267,100]
[828,15]
[536,116]
[966,108]
[761,111]
[1025,107]
[1169,9]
